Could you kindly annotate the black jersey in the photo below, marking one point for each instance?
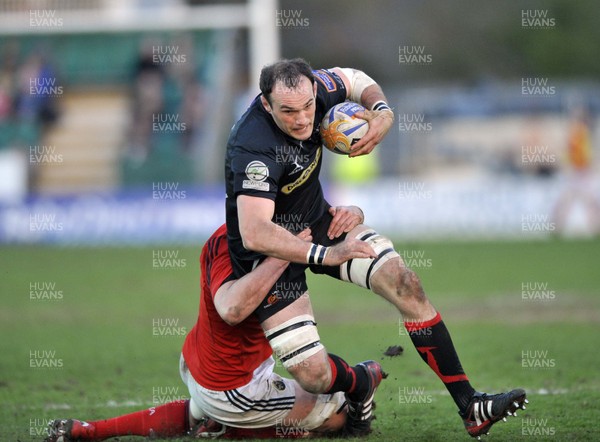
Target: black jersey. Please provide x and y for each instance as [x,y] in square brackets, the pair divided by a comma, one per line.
[263,161]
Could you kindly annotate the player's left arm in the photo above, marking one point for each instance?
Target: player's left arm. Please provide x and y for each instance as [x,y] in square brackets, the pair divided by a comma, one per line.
[364,90]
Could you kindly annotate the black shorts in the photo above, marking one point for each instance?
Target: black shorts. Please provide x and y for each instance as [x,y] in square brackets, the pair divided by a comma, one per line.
[292,284]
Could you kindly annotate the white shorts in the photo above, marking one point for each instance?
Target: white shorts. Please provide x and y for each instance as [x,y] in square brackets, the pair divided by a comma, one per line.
[263,402]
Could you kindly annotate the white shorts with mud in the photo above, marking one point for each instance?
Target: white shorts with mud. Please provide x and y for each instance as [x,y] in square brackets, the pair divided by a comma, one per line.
[264,402]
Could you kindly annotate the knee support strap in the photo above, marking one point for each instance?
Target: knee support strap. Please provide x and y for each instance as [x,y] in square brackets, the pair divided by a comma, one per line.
[295,340]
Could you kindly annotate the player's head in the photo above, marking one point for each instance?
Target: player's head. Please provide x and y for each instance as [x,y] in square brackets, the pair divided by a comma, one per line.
[288,93]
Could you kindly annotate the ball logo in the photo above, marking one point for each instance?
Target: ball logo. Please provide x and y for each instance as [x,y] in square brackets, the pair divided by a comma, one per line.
[340,129]
[349,108]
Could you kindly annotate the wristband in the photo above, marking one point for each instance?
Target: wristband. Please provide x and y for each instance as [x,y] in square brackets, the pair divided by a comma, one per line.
[316,254]
[380,106]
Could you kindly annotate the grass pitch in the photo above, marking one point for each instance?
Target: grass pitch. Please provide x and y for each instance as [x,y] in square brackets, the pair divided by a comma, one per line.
[93,333]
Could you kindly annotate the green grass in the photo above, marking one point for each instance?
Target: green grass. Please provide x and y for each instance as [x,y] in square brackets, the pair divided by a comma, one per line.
[101,332]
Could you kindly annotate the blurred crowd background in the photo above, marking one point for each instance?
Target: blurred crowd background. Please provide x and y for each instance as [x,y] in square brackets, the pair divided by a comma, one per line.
[114,114]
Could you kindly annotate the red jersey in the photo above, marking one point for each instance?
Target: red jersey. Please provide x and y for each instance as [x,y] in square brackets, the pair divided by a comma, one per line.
[220,356]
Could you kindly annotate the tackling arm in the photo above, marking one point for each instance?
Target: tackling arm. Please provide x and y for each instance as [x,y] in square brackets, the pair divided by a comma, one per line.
[236,300]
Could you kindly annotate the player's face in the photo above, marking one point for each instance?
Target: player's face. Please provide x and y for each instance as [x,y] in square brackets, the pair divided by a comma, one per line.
[293,109]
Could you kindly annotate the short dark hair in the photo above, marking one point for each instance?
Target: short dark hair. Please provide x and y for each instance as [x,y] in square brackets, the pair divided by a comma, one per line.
[289,72]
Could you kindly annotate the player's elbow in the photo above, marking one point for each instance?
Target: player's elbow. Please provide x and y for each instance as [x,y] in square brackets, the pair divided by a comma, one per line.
[231,314]
[249,242]
[251,239]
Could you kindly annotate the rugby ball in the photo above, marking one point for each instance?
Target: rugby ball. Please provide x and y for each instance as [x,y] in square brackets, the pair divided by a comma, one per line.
[340,129]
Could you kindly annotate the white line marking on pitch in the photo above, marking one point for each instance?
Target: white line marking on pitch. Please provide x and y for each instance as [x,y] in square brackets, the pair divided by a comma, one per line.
[132,403]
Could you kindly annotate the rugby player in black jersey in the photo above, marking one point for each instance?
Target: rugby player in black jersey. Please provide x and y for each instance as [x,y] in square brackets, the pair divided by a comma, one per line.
[272,166]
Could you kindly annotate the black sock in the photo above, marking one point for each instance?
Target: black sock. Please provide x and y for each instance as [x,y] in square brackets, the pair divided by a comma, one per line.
[433,342]
[347,379]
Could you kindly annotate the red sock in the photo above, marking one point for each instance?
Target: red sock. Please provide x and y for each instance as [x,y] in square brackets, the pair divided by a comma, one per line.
[168,420]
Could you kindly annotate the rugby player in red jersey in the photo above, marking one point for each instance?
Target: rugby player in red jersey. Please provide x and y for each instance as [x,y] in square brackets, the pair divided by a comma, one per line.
[227,365]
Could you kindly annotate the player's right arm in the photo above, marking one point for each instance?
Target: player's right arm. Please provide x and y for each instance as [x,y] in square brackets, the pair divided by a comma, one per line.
[262,235]
[236,300]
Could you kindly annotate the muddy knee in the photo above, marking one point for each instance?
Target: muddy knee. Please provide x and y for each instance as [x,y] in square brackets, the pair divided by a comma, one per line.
[313,374]
[409,285]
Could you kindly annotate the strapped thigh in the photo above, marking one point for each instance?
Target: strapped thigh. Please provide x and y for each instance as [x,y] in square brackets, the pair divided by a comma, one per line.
[295,340]
[360,270]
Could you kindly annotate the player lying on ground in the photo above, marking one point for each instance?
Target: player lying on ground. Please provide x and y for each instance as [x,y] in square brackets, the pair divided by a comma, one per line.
[228,368]
[265,189]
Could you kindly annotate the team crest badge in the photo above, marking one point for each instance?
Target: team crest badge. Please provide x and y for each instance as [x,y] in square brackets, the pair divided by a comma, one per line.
[279,385]
[257,172]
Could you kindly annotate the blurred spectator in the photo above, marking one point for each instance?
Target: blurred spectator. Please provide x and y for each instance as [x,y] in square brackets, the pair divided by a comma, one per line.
[28,96]
[8,72]
[579,188]
[166,91]
[37,90]
[193,111]
[148,101]
[192,100]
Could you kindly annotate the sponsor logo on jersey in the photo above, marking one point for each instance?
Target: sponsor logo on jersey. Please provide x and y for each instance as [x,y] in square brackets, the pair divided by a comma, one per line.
[326,79]
[298,167]
[257,172]
[289,188]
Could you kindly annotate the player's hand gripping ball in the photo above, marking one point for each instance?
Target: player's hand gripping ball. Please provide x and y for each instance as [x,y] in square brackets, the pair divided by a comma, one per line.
[340,129]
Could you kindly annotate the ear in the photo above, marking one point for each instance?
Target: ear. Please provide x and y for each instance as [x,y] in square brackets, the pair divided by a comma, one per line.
[265,104]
